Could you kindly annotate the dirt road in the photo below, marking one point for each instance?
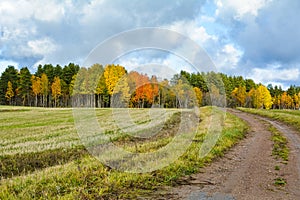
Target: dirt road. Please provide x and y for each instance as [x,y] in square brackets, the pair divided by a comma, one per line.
[247,171]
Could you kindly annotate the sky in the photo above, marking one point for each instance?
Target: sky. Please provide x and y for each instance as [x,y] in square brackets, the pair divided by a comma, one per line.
[258,39]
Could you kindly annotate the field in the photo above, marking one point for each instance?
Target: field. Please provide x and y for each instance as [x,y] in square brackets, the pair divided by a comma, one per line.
[42,156]
[291,117]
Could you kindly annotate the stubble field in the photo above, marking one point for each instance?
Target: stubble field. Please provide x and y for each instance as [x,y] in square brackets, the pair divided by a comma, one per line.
[42,156]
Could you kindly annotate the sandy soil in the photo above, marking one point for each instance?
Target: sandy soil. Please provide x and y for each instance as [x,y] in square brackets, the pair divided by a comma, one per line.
[247,171]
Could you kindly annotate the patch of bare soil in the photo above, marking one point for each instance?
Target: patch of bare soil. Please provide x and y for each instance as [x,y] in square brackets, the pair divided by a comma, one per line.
[247,171]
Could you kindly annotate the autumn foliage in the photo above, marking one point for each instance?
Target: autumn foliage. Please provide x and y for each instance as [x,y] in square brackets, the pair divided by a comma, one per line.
[113,86]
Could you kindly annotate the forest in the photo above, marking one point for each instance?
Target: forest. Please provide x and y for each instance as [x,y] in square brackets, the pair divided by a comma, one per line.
[113,86]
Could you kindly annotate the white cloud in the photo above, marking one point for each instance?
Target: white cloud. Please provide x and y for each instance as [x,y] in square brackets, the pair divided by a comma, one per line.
[177,64]
[240,7]
[90,11]
[228,57]
[17,33]
[271,74]
[193,30]
[264,35]
[154,62]
[77,26]
[13,11]
[48,10]
[232,54]
[42,46]
[130,63]
[33,48]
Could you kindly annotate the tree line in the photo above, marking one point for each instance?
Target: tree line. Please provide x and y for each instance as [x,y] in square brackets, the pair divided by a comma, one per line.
[113,86]
[48,87]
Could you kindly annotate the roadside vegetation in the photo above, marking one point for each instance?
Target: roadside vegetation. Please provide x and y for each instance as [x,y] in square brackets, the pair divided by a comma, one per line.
[291,117]
[280,152]
[42,157]
[280,148]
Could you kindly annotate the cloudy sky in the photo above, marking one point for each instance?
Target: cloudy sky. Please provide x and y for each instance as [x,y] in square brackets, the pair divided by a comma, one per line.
[258,39]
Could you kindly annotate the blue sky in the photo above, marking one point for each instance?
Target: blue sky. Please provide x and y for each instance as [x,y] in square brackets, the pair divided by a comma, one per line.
[258,39]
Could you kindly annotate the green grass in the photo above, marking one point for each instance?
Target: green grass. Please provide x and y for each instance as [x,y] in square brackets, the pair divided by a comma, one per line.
[280,148]
[24,163]
[40,129]
[280,151]
[291,117]
[42,157]
[37,129]
[280,182]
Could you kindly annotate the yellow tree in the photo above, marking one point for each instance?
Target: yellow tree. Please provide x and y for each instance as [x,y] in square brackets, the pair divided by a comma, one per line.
[9,92]
[268,100]
[265,97]
[290,102]
[239,94]
[298,102]
[283,100]
[286,101]
[277,101]
[44,88]
[199,95]
[261,97]
[36,87]
[56,89]
[112,75]
[295,101]
[121,95]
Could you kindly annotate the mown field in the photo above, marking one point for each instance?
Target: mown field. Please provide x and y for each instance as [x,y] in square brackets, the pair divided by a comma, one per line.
[41,155]
[291,117]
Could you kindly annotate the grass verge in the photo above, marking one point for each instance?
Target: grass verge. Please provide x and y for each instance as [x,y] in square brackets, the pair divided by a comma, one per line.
[280,148]
[291,117]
